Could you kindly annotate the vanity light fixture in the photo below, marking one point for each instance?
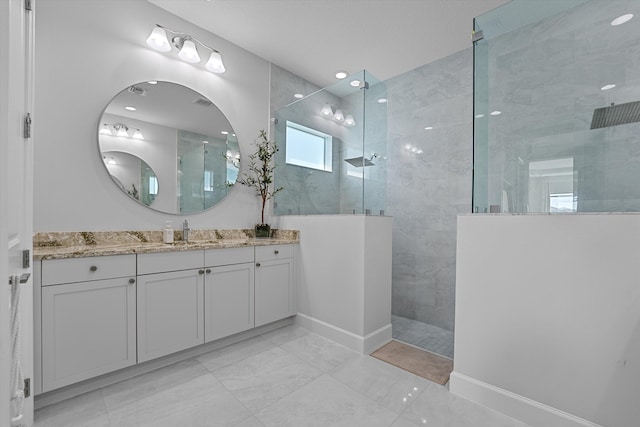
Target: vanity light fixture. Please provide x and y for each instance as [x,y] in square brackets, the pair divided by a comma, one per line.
[121,131]
[330,112]
[188,48]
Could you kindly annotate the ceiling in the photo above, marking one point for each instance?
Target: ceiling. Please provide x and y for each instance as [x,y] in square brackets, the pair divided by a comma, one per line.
[316,38]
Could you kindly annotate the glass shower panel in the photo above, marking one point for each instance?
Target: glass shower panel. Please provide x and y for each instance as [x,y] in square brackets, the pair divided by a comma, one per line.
[327,153]
[556,107]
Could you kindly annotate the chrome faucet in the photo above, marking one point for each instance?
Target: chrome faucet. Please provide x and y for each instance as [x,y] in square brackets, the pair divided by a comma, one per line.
[185,231]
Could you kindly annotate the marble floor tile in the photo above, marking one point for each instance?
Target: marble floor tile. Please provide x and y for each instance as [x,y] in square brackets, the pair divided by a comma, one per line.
[250,422]
[284,335]
[199,402]
[326,402]
[386,384]
[320,351]
[260,380]
[88,410]
[145,385]
[227,355]
[436,407]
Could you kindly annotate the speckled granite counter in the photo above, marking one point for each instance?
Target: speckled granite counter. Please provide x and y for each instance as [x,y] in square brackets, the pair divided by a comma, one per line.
[59,245]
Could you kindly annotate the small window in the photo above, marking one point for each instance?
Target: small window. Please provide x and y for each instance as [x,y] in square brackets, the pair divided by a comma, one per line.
[153,185]
[208,180]
[308,148]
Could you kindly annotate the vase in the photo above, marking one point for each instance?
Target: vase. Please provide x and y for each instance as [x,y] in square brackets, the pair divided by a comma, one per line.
[263,231]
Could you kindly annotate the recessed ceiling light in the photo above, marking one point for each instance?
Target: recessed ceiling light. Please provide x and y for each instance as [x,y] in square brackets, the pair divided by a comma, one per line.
[298,95]
[153,82]
[355,83]
[607,87]
[382,100]
[205,142]
[496,113]
[428,128]
[479,116]
[130,108]
[622,19]
[341,75]
[224,132]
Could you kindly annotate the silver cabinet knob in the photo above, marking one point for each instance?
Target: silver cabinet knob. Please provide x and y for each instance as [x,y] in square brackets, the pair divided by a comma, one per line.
[276,252]
[208,270]
[200,271]
[257,264]
[132,281]
[93,268]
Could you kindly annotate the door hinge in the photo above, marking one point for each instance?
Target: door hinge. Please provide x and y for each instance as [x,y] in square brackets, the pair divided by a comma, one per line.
[28,5]
[27,387]
[26,255]
[27,126]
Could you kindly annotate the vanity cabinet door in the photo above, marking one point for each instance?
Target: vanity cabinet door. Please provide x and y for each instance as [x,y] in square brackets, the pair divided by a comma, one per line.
[274,290]
[88,329]
[170,312]
[229,300]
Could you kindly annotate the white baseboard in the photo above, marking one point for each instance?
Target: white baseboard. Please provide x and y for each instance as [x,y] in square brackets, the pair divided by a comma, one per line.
[514,405]
[362,344]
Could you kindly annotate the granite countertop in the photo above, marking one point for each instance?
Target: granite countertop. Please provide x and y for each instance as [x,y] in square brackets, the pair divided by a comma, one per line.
[60,245]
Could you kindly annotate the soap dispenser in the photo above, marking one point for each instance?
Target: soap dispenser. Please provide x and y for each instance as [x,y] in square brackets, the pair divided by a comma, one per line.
[167,234]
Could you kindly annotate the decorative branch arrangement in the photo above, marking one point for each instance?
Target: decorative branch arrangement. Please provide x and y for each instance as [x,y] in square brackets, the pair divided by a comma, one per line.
[259,174]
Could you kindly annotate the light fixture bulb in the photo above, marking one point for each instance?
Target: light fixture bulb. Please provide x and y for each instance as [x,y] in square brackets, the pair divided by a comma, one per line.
[158,40]
[214,64]
[327,111]
[138,134]
[338,116]
[189,53]
[104,130]
[349,121]
[122,131]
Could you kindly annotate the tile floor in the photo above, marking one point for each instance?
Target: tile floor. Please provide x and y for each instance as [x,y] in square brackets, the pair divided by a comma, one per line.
[423,335]
[287,377]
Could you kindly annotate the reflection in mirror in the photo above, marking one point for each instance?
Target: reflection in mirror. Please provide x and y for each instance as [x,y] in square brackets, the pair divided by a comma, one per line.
[181,136]
[132,175]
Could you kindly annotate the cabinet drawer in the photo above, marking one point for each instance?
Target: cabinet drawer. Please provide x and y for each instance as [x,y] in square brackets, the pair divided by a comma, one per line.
[169,261]
[271,252]
[217,257]
[56,271]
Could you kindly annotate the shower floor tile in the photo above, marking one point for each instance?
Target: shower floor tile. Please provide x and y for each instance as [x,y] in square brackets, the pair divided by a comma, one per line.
[423,335]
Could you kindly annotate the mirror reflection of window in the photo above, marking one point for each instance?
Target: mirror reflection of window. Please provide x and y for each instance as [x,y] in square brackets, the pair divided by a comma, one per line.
[551,186]
[308,147]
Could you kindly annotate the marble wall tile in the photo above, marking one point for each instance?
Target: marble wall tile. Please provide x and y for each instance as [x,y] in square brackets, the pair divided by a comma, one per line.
[426,191]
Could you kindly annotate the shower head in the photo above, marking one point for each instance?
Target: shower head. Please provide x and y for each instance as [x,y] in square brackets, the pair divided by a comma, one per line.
[620,114]
[361,161]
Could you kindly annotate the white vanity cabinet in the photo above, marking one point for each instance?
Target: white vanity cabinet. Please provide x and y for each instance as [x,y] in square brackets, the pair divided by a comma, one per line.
[274,285]
[228,292]
[170,303]
[88,318]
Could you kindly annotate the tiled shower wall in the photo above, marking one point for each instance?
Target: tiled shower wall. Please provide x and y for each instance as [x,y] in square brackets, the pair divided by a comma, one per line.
[426,190]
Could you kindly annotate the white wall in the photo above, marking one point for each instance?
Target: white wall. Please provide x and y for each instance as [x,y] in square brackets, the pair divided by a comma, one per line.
[548,317]
[87,52]
[344,277]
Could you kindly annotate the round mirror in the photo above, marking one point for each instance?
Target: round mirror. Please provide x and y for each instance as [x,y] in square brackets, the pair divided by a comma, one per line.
[185,148]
